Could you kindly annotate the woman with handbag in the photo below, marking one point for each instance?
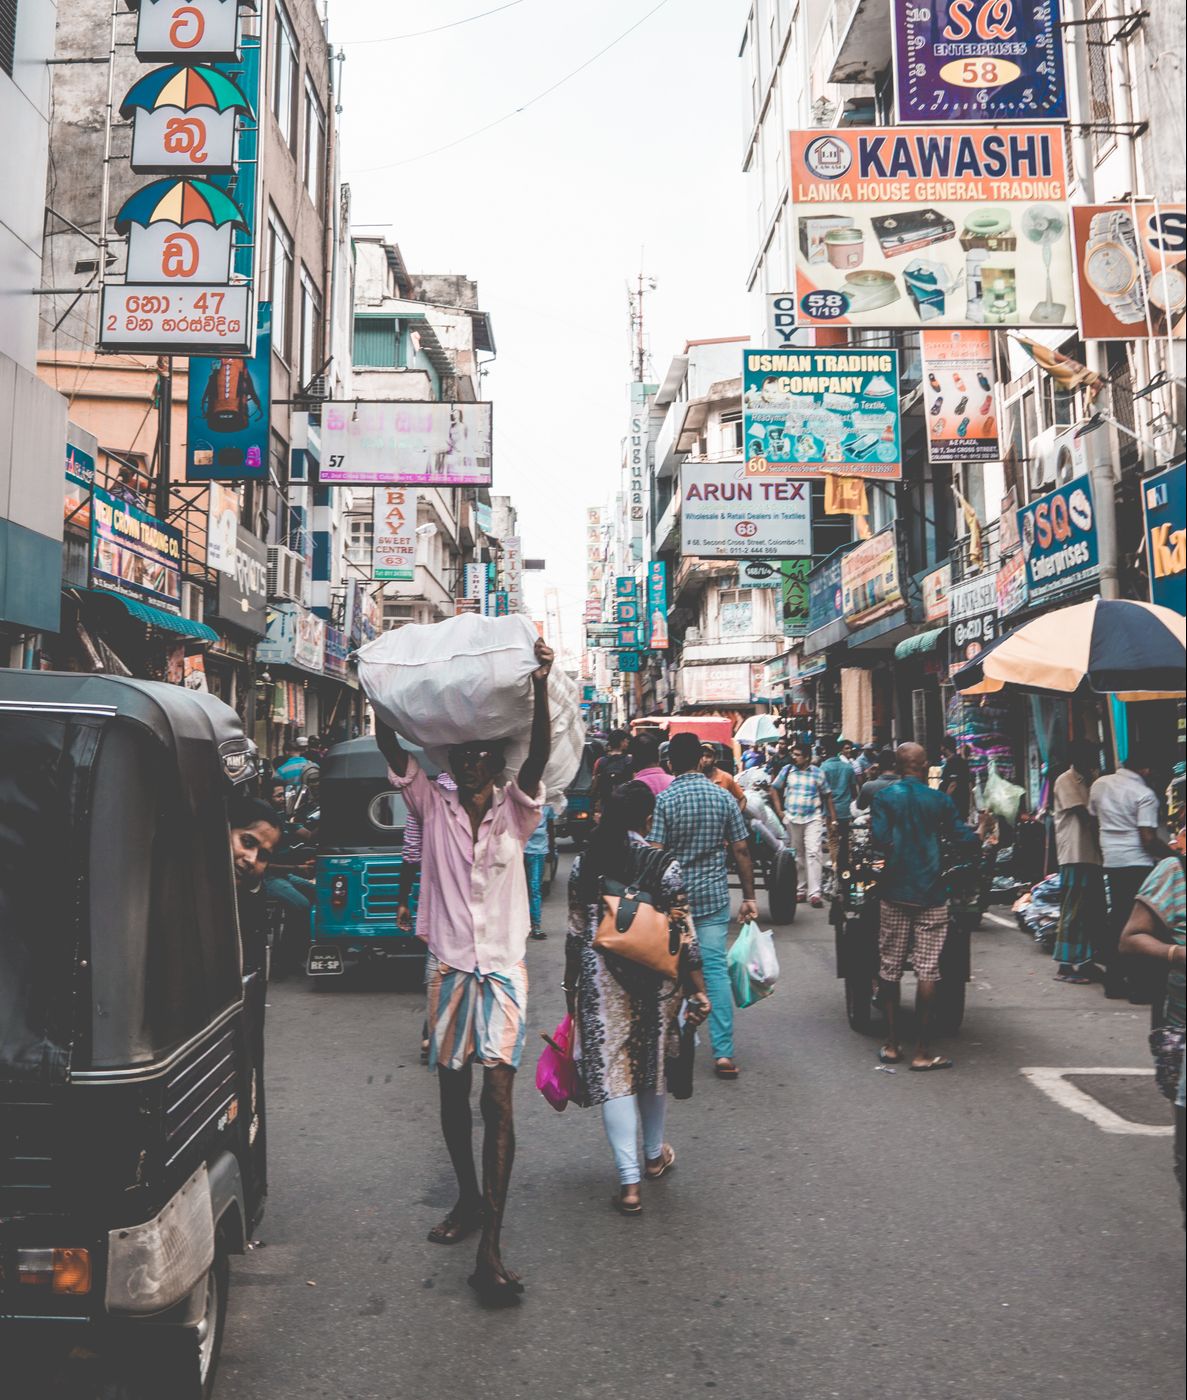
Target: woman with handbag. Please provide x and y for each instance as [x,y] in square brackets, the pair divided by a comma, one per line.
[625,985]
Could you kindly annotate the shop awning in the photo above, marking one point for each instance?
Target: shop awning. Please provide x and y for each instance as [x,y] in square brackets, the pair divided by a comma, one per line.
[160,619]
[919,644]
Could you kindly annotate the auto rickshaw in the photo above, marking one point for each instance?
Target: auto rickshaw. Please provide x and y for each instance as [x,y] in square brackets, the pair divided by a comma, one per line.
[359,859]
[577,820]
[132,1126]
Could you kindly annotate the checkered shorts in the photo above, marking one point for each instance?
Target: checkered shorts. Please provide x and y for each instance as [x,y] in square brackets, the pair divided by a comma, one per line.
[907,928]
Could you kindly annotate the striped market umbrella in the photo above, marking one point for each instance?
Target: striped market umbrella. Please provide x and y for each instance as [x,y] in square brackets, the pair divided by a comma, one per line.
[184,88]
[1135,651]
[181,202]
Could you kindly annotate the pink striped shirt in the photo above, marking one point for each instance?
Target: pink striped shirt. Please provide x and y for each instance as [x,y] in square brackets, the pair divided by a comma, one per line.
[473,894]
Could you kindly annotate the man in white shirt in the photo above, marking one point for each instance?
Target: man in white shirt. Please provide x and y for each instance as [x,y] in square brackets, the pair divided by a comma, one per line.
[1126,812]
[1082,889]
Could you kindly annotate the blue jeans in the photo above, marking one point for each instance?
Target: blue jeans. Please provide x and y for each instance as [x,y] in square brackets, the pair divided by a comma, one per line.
[535,868]
[711,932]
[618,1117]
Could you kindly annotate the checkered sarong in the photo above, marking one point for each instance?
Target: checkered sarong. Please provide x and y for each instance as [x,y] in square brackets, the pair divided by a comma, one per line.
[909,929]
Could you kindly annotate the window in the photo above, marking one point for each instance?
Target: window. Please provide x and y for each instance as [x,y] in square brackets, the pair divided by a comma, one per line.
[731,433]
[736,613]
[284,75]
[360,539]
[7,35]
[1100,96]
[280,284]
[311,329]
[377,342]
[315,145]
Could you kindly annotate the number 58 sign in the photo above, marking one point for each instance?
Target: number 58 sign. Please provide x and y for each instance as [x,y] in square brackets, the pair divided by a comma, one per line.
[978,61]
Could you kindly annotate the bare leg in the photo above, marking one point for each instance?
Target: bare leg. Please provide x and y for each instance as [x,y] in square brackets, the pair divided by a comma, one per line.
[498,1157]
[925,1000]
[892,1050]
[457,1129]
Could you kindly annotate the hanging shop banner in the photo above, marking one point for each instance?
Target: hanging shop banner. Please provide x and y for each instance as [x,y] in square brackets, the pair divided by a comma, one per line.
[978,61]
[811,412]
[657,605]
[511,565]
[636,463]
[1132,270]
[627,606]
[781,320]
[761,573]
[935,588]
[870,581]
[1164,505]
[183,118]
[134,553]
[432,444]
[294,638]
[825,596]
[725,684]
[142,319]
[793,576]
[955,226]
[80,482]
[972,618]
[228,412]
[1011,584]
[958,379]
[242,596]
[336,655]
[222,527]
[394,534]
[187,30]
[725,514]
[1059,541]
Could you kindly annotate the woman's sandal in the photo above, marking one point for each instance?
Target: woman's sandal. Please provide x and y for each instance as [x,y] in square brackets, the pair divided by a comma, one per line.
[666,1164]
[725,1069]
[936,1062]
[495,1291]
[455,1228]
[634,1207]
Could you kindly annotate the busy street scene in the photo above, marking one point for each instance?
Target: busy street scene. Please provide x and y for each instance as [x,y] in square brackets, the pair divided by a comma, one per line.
[608,817]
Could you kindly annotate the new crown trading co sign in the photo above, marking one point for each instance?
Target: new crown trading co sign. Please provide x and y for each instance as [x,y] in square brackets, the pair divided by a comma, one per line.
[179,294]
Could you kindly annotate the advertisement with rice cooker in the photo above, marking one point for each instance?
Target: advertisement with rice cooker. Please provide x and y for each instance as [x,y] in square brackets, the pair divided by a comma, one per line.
[953,226]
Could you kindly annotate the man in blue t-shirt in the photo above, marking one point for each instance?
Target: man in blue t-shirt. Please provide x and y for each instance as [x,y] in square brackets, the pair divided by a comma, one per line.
[841,781]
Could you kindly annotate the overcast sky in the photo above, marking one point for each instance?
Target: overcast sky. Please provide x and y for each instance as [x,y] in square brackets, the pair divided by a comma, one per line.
[634,164]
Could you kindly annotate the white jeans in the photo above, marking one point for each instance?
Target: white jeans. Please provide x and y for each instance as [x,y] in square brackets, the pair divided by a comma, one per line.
[805,839]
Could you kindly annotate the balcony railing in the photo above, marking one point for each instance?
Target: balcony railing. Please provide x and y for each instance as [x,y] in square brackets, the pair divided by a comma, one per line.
[963,566]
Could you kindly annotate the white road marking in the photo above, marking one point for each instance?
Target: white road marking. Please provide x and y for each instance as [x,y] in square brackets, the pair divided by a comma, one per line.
[1054,1084]
[997,919]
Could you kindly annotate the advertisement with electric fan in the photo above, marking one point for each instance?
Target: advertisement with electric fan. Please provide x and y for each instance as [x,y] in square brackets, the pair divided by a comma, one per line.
[953,226]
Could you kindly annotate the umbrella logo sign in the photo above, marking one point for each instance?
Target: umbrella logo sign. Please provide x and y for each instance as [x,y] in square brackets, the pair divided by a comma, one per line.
[184,119]
[179,231]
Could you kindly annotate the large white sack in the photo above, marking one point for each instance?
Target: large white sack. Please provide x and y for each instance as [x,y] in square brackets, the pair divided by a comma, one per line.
[468,678]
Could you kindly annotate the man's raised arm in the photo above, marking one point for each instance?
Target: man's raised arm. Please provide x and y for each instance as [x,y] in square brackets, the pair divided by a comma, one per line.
[389,747]
[541,741]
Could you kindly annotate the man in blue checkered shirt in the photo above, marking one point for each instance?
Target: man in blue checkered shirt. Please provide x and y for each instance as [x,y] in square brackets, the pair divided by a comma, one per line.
[696,820]
[807,801]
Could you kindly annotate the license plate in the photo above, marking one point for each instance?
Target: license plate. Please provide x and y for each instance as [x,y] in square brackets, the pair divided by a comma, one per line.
[324,962]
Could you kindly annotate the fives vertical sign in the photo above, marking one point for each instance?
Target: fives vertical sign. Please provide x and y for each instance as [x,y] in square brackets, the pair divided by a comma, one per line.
[179,294]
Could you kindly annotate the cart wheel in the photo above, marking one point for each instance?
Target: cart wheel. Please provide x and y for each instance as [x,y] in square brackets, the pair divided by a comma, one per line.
[858,994]
[781,888]
[183,1360]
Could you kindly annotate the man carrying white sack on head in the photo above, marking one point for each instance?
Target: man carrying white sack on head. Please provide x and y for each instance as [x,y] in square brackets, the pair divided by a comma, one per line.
[474,909]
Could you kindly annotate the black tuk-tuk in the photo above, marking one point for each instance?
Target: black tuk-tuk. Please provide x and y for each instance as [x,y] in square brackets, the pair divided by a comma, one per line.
[132,1143]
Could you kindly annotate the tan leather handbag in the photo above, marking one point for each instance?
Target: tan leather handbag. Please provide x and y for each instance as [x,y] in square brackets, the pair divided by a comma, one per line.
[632,927]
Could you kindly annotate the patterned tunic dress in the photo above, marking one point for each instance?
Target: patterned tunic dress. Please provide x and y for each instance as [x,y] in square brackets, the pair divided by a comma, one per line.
[626,1013]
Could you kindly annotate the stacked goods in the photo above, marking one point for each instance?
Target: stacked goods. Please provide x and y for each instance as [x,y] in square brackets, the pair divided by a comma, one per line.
[467,679]
[981,727]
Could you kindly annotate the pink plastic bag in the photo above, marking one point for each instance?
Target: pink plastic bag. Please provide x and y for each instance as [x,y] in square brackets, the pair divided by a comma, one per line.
[556,1074]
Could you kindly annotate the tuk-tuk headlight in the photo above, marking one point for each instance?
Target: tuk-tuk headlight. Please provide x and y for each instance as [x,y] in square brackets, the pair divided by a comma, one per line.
[66,1271]
[339,886]
[153,1266]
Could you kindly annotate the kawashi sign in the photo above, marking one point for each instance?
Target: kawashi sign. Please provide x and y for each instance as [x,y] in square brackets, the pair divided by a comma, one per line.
[952,226]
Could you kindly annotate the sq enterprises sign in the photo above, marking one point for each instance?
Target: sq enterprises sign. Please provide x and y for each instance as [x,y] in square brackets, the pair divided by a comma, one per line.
[179,295]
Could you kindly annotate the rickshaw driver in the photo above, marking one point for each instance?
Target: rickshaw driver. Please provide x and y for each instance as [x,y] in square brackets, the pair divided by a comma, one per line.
[474,911]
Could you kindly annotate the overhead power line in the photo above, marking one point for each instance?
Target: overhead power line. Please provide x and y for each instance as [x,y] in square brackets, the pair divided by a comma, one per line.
[436,29]
[515,111]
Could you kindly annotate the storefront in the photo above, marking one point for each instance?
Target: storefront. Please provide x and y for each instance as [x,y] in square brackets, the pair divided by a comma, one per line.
[289,664]
[240,611]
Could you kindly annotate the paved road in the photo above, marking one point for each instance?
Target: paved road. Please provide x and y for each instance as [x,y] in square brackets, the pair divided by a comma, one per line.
[830,1231]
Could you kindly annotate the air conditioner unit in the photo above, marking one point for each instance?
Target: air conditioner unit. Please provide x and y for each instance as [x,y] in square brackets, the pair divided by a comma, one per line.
[286,574]
[1058,456]
[193,602]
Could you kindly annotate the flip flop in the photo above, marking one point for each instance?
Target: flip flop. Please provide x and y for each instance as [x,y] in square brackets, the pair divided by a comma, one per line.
[626,1207]
[454,1229]
[1073,978]
[890,1059]
[667,1164]
[937,1062]
[725,1069]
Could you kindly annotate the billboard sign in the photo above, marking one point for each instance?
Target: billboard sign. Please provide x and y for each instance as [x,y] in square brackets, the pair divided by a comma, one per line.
[808,413]
[180,31]
[1059,540]
[657,605]
[935,587]
[795,595]
[149,319]
[972,618]
[953,226]
[978,61]
[870,582]
[781,319]
[1131,270]
[1164,506]
[511,564]
[825,595]
[958,384]
[1011,584]
[80,482]
[134,553]
[409,444]
[393,554]
[242,597]
[228,412]
[725,514]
